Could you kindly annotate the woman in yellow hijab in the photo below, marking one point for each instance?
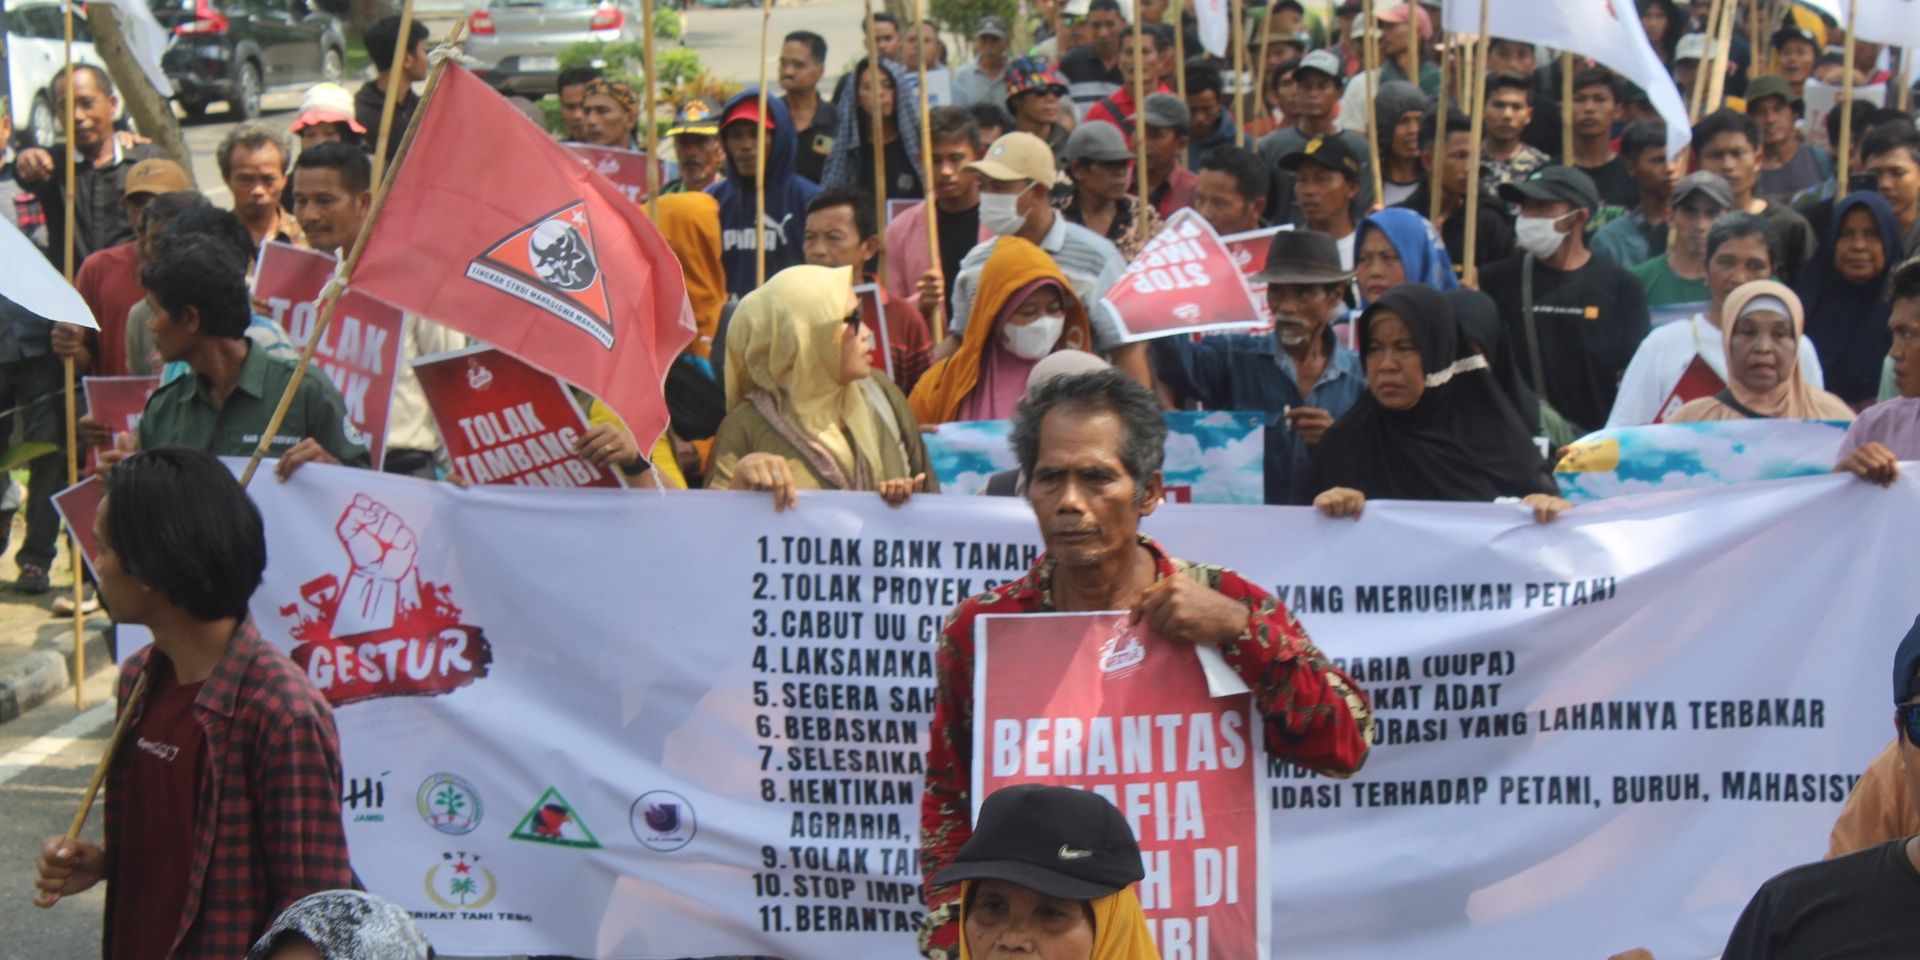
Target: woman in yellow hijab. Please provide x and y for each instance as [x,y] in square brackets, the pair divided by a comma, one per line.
[1025,310]
[690,222]
[1023,899]
[804,411]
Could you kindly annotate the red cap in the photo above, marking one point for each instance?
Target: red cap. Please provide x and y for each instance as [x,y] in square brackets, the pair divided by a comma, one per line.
[748,109]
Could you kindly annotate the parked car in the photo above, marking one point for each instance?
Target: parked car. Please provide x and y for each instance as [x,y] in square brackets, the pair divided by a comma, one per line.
[518,42]
[238,50]
[36,53]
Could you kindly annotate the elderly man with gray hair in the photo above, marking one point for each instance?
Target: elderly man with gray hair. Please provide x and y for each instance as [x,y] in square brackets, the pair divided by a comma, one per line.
[255,159]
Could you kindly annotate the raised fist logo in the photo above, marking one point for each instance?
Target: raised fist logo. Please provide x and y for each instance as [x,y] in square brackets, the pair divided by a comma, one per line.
[382,582]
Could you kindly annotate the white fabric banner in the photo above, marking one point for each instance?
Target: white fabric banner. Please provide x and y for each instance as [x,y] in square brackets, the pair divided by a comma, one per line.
[1881,21]
[616,724]
[35,285]
[1608,31]
[1215,23]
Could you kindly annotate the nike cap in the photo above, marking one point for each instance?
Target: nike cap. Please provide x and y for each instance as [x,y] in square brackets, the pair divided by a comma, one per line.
[1055,841]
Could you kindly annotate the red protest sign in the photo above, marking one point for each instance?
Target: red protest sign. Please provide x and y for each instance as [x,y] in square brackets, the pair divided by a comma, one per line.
[78,506]
[1185,280]
[874,316]
[626,168]
[360,351]
[117,402]
[1250,253]
[1089,701]
[506,422]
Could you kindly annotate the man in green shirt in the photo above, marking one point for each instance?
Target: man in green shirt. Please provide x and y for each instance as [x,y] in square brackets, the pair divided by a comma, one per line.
[197,289]
[1680,274]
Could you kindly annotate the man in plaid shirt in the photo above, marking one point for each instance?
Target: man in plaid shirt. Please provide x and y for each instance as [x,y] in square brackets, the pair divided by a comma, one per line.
[223,801]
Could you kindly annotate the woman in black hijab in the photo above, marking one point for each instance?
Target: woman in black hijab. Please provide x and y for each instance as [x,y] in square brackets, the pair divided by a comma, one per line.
[1434,426]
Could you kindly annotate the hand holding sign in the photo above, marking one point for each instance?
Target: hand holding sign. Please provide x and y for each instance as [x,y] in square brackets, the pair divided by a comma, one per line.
[1182,608]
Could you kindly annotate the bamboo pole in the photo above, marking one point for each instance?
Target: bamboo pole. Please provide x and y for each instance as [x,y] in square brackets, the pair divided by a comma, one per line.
[1478,71]
[330,299]
[1845,151]
[1370,68]
[1723,48]
[396,79]
[1697,95]
[1566,108]
[106,759]
[1413,43]
[1180,54]
[651,104]
[67,370]
[1259,64]
[759,156]
[1236,35]
[878,134]
[1903,97]
[926,166]
[1439,140]
[1140,124]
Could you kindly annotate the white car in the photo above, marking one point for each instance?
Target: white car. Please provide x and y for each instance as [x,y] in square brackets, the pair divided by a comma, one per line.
[35,56]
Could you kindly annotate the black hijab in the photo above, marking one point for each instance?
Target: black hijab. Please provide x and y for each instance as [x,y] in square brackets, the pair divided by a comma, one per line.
[1463,440]
[1480,324]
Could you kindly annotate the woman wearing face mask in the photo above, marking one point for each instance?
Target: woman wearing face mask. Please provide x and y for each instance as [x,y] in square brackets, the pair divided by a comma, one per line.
[803,409]
[1435,425]
[1760,326]
[1025,310]
[1845,293]
[1397,246]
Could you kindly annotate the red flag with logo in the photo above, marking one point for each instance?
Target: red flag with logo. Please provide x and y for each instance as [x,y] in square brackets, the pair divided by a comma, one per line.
[494,230]
[1184,280]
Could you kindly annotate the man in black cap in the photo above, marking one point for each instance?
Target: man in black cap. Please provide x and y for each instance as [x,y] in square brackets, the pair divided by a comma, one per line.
[1795,50]
[1861,904]
[1326,182]
[1299,375]
[1576,318]
[984,78]
[1316,93]
[1787,166]
[1037,861]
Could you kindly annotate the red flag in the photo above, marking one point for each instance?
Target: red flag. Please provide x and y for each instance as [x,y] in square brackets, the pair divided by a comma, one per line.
[494,230]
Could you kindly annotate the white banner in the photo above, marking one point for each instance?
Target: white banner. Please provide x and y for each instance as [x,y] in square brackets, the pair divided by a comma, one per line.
[636,725]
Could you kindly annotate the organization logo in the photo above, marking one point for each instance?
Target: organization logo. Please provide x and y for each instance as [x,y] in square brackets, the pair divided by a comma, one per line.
[551,264]
[345,635]
[449,804]
[364,799]
[478,376]
[1123,652]
[662,820]
[552,820]
[459,882]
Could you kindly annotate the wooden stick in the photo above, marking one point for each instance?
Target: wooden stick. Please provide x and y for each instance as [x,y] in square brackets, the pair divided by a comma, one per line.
[66,365]
[1236,35]
[1180,54]
[1566,108]
[333,292]
[1370,68]
[926,166]
[651,106]
[1903,97]
[106,759]
[1140,123]
[1697,95]
[1413,44]
[1723,48]
[1477,69]
[1439,140]
[396,79]
[1259,66]
[760,156]
[877,136]
[1845,150]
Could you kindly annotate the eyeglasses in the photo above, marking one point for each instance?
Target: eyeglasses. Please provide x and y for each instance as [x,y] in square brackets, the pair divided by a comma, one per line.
[1909,714]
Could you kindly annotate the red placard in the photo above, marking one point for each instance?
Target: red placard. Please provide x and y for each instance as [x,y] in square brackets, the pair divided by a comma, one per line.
[1090,701]
[626,168]
[1185,280]
[1697,381]
[874,316]
[117,402]
[505,422]
[360,351]
[1250,252]
[78,506]
[896,207]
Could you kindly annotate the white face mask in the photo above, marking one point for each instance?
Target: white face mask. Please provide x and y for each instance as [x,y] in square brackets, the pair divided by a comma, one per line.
[1539,236]
[1000,213]
[1034,340]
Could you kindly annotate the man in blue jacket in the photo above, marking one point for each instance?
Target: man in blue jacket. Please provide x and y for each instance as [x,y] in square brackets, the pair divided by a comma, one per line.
[787,193]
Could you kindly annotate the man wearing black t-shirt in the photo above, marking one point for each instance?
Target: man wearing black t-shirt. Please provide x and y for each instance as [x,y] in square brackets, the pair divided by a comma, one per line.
[1865,904]
[1577,318]
[1727,142]
[1596,107]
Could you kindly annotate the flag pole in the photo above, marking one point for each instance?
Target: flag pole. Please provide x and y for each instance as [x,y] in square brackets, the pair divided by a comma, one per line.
[1566,108]
[106,758]
[1259,66]
[1723,49]
[330,297]
[1180,54]
[1697,95]
[1236,35]
[760,156]
[1844,152]
[1413,43]
[1477,70]
[926,167]
[1140,121]
[395,80]
[1439,139]
[878,134]
[67,368]
[1369,68]
[651,106]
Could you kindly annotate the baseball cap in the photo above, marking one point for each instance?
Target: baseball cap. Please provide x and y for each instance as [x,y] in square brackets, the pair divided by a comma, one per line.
[1056,841]
[1704,183]
[1167,110]
[1097,141]
[1026,75]
[156,176]
[700,118]
[326,103]
[1077,8]
[1557,184]
[1693,46]
[1772,86]
[1303,256]
[747,109]
[1021,156]
[991,27]
[1906,661]
[1801,24]
[1321,61]
[1333,152]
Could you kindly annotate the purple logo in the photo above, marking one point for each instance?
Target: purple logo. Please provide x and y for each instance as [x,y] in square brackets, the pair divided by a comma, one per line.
[662,820]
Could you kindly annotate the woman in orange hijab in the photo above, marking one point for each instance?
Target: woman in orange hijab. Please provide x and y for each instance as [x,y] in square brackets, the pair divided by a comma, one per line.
[690,222]
[1024,311]
[1024,897]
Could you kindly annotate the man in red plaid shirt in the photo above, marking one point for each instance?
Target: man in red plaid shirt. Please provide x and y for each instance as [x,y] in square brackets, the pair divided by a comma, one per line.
[223,801]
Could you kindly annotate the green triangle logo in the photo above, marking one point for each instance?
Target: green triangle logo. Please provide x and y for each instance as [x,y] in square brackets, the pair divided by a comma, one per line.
[552,820]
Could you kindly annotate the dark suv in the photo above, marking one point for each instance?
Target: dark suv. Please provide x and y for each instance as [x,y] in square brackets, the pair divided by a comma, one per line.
[237,50]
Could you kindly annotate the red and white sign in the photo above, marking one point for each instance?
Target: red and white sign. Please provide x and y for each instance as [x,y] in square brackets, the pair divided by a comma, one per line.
[875,317]
[117,402]
[1697,381]
[360,350]
[505,422]
[1090,701]
[78,506]
[626,168]
[1250,252]
[1185,280]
